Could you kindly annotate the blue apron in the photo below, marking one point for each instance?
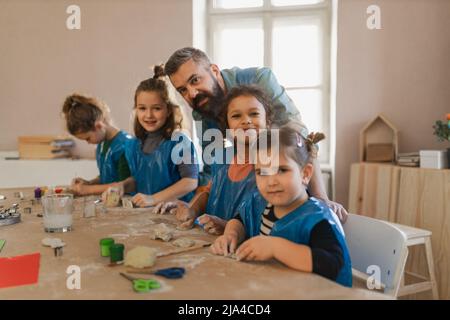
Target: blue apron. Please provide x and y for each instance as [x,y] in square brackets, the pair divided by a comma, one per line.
[226,195]
[107,165]
[296,226]
[156,171]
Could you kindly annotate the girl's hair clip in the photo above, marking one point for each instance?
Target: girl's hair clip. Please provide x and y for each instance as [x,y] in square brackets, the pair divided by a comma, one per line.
[299,141]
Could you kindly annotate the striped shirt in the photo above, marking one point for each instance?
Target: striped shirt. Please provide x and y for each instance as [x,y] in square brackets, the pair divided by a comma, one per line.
[326,251]
[268,219]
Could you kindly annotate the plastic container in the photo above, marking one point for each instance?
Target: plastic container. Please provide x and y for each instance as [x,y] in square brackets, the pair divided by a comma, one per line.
[433,159]
[105,245]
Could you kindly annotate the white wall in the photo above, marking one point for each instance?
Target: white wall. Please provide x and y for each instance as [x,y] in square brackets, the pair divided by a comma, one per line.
[402,70]
[42,62]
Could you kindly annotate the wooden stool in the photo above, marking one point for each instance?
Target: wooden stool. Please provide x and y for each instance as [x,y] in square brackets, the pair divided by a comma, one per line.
[416,237]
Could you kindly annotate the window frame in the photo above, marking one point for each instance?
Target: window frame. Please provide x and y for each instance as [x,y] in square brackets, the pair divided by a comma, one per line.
[268,13]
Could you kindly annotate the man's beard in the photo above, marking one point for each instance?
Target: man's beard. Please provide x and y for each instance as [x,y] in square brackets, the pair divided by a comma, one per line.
[213,107]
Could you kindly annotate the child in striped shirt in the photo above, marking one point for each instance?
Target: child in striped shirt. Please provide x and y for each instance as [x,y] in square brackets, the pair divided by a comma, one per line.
[281,221]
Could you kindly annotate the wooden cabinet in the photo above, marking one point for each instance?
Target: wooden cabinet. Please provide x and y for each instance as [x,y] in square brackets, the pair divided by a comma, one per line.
[411,196]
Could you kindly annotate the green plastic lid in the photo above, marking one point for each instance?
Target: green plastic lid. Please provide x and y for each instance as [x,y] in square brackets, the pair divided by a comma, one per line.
[106,241]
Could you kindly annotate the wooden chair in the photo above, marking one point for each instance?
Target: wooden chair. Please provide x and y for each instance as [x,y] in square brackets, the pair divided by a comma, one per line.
[380,244]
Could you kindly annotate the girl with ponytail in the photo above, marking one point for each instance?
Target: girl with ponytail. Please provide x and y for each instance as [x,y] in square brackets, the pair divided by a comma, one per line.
[88,119]
[157,171]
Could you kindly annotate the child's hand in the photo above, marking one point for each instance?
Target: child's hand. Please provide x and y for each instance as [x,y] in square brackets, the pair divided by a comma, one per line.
[184,213]
[212,224]
[79,180]
[79,189]
[143,200]
[166,207]
[258,248]
[116,188]
[225,244]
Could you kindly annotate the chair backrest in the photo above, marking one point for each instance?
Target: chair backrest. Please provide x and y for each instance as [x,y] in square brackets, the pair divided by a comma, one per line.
[378,243]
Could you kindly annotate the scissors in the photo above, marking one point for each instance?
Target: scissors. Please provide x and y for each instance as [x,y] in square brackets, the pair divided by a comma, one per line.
[142,285]
[170,273]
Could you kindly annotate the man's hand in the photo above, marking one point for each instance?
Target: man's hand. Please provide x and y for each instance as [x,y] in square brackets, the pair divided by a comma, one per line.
[338,209]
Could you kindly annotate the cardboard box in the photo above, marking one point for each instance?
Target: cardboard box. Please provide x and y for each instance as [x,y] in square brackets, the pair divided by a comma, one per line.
[44,147]
[433,159]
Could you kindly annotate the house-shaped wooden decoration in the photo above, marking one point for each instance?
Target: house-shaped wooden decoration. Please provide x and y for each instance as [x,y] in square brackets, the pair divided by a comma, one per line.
[378,141]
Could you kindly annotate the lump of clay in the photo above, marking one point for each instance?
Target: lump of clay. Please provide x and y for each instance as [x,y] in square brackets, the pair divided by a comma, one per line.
[126,203]
[161,231]
[112,198]
[183,242]
[53,242]
[141,257]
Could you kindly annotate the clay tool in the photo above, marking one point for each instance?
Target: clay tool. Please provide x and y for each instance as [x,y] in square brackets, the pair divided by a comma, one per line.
[56,244]
[169,253]
[58,251]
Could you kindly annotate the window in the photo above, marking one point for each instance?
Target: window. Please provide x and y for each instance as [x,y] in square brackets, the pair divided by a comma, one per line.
[292,37]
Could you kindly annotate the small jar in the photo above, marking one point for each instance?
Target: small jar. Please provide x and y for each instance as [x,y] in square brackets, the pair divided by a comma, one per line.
[37,193]
[105,245]
[117,252]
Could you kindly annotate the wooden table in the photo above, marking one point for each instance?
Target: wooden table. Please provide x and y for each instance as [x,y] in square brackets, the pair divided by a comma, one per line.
[207,276]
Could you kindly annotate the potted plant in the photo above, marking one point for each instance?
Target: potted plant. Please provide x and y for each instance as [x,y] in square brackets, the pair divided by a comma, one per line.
[442,132]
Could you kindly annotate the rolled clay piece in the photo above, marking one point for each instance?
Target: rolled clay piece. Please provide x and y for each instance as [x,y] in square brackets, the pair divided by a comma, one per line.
[185,227]
[126,203]
[183,242]
[232,256]
[161,231]
[141,257]
[53,242]
[112,199]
